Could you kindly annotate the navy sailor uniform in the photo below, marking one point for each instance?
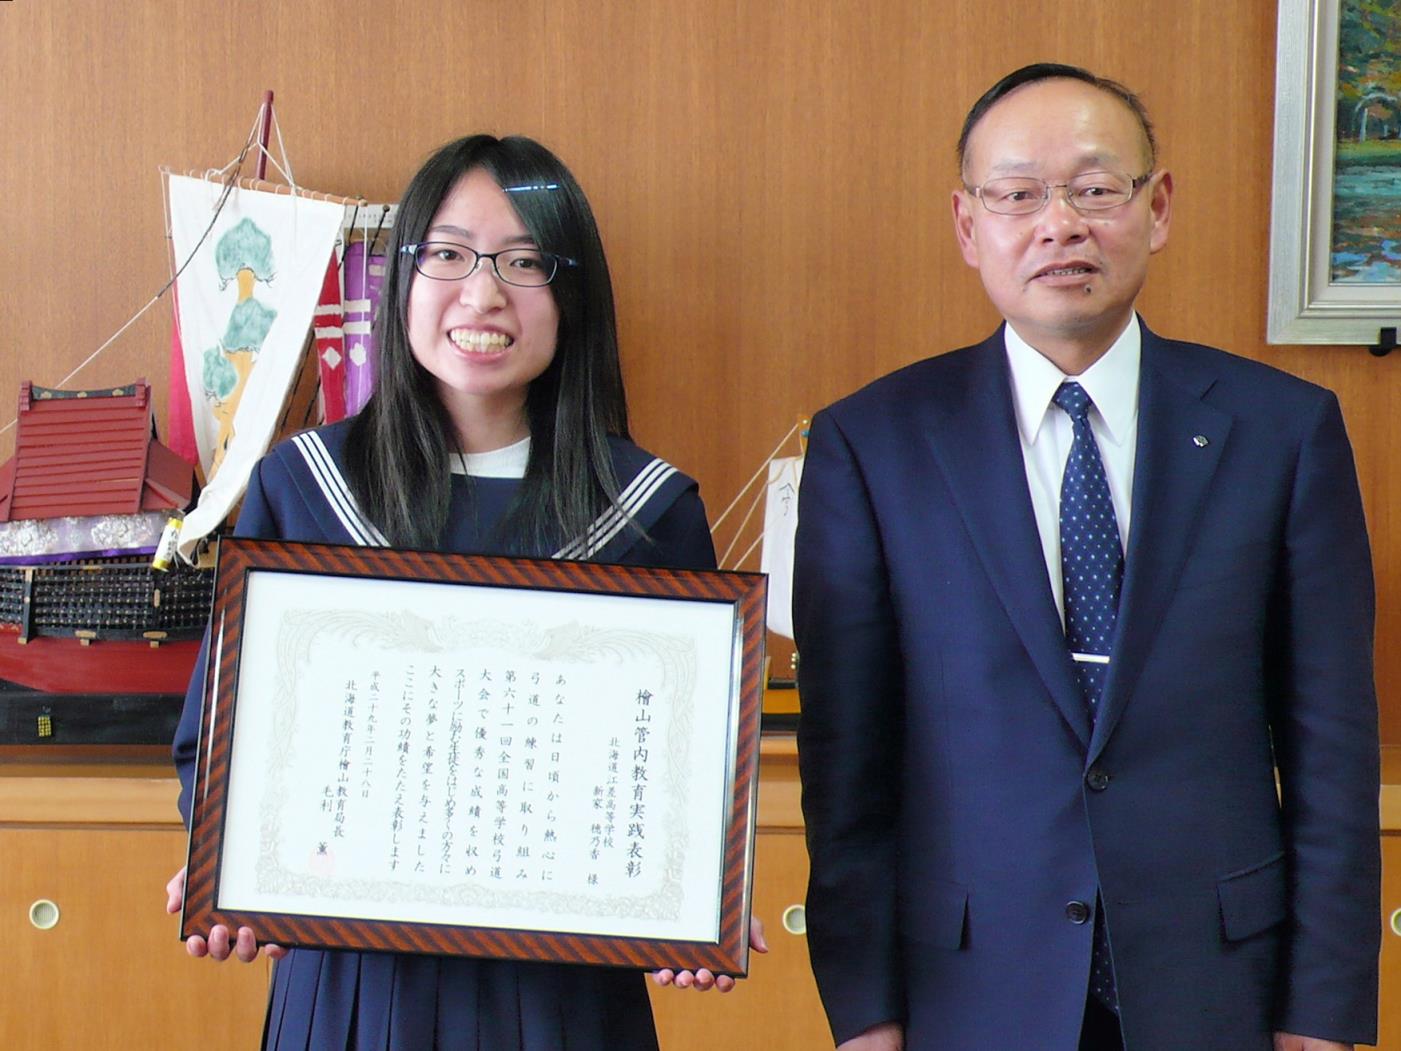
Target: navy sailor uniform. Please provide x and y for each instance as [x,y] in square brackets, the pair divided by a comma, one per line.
[331,999]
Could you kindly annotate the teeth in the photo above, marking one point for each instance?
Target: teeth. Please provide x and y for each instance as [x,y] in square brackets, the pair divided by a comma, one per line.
[1066,270]
[467,339]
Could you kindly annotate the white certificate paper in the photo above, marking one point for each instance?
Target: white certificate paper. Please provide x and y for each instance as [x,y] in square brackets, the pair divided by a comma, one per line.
[483,755]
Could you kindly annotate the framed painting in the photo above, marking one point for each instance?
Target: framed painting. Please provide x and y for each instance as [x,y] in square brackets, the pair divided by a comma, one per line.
[453,754]
[1335,231]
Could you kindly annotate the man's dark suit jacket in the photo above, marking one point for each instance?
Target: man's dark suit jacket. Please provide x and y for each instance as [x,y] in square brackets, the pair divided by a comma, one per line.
[958,799]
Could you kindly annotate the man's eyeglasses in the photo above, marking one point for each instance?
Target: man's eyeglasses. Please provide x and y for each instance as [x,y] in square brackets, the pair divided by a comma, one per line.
[1087,192]
[523,267]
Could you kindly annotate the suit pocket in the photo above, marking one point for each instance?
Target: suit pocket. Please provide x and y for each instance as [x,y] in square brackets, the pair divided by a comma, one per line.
[1253,899]
[934,914]
[1211,564]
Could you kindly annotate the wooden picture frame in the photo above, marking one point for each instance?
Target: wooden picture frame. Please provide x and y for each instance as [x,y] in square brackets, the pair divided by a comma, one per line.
[575,744]
[1313,297]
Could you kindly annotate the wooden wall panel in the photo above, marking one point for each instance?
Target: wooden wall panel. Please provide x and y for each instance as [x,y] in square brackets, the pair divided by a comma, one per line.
[749,163]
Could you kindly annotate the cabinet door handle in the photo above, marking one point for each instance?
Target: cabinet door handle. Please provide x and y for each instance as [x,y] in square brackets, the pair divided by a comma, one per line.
[44,914]
[795,920]
[1396,923]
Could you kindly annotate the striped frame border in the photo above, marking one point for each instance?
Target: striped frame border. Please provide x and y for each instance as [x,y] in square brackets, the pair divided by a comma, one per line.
[240,556]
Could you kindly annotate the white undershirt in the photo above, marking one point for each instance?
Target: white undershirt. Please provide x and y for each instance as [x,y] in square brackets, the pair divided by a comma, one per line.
[1046,433]
[507,462]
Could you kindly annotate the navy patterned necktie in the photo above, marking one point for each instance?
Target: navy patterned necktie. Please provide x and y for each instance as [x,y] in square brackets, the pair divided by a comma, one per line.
[1092,568]
[1091,559]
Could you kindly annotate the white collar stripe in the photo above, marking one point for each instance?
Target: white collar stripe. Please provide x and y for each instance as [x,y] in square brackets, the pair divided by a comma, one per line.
[332,485]
[337,493]
[314,452]
[618,521]
[631,500]
[612,521]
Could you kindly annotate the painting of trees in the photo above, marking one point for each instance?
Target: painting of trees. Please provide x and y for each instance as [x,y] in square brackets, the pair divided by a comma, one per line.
[1369,71]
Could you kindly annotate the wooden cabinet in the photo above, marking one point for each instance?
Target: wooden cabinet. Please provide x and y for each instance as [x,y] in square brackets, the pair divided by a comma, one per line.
[1389,1035]
[776,1007]
[1389,1028]
[92,960]
[99,843]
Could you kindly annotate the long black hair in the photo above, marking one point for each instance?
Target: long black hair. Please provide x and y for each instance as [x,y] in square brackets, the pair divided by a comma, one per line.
[399,445]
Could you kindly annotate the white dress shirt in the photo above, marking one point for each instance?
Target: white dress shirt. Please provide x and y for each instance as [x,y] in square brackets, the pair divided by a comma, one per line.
[1046,432]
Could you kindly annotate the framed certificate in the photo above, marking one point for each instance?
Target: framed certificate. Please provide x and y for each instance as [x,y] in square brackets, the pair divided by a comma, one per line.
[459,754]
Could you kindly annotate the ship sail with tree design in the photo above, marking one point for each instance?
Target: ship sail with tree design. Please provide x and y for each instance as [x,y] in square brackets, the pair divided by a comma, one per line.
[273,289]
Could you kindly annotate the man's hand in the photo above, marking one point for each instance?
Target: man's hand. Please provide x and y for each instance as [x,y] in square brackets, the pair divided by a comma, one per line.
[1290,1042]
[888,1036]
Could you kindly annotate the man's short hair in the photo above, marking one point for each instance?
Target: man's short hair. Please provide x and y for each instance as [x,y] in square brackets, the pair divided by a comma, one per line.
[1052,71]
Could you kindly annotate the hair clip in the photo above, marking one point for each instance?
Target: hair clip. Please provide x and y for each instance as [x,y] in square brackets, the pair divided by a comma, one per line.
[535,186]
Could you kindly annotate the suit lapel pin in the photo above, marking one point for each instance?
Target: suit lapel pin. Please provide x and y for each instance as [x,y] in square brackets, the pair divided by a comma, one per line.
[1200,441]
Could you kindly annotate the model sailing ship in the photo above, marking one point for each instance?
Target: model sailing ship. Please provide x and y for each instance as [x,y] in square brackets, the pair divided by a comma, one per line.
[275,290]
[772,489]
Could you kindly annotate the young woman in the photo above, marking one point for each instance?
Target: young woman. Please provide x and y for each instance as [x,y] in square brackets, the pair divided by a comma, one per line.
[498,425]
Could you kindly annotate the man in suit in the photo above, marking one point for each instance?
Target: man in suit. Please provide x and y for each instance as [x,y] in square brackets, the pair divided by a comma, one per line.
[1066,601]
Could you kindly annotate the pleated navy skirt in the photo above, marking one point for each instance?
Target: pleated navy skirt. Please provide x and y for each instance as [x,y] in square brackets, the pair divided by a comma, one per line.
[349,1001]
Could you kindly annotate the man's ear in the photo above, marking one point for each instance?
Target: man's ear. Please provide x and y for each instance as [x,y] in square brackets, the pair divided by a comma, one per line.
[963,205]
[1160,202]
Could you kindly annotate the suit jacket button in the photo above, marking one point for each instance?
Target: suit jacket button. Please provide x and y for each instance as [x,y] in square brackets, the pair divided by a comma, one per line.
[1077,912]
[1097,778]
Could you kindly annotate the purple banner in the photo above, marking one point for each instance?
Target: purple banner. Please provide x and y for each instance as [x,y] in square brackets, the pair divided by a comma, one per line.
[364,278]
